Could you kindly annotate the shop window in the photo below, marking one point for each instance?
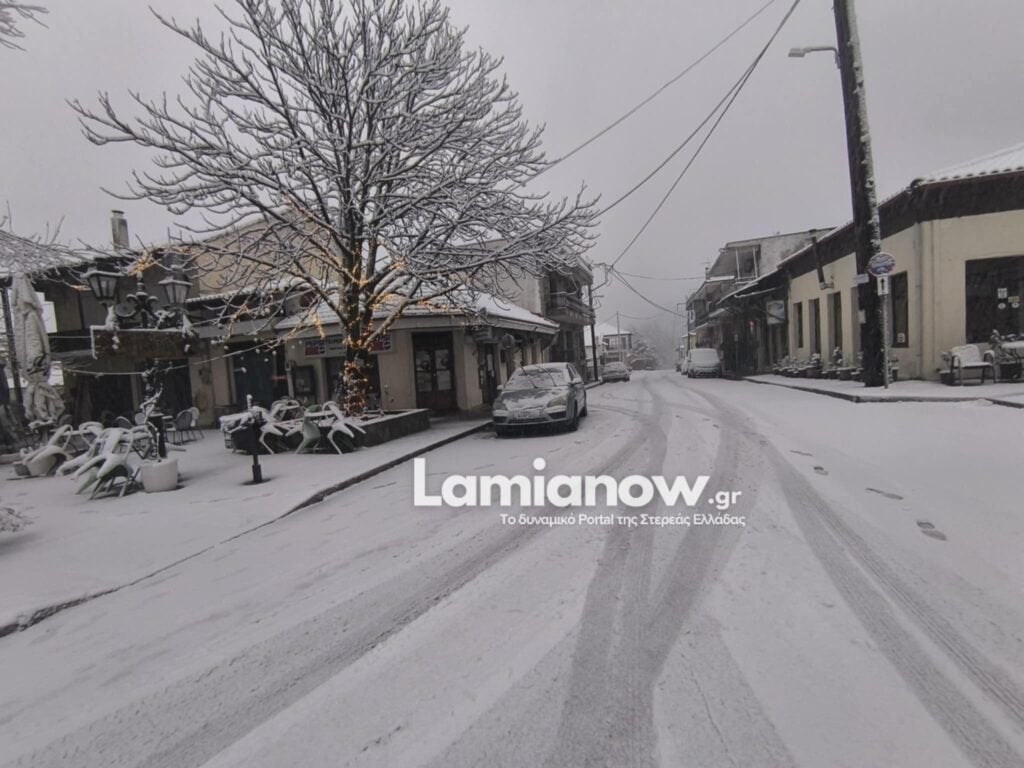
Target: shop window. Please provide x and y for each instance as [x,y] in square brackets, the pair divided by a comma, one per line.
[899,310]
[994,288]
[798,322]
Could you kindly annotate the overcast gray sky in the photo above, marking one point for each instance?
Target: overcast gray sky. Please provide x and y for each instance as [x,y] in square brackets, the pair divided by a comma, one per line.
[943,78]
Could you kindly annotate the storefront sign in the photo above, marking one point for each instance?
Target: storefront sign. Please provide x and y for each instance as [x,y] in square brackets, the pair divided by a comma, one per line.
[334,346]
[776,311]
[331,346]
[381,344]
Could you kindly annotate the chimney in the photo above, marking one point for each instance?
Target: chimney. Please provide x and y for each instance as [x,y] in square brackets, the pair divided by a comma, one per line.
[118,229]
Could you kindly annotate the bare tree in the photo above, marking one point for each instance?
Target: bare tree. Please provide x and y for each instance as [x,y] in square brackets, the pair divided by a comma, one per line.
[12,12]
[358,151]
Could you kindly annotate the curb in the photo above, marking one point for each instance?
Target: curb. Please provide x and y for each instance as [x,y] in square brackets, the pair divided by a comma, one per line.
[50,610]
[322,494]
[852,398]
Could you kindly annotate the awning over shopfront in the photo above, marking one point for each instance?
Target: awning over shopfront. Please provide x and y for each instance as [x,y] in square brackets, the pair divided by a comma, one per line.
[483,310]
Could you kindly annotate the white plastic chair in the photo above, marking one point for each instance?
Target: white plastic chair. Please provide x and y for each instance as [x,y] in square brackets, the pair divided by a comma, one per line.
[310,436]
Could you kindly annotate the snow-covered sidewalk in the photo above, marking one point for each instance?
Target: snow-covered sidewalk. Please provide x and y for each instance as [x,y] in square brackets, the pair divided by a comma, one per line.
[76,548]
[914,390]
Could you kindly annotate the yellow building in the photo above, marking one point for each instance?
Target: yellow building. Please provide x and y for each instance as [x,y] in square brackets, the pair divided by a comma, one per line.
[957,237]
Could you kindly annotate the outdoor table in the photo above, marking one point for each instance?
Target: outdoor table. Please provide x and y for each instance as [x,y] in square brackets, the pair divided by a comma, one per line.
[1016,350]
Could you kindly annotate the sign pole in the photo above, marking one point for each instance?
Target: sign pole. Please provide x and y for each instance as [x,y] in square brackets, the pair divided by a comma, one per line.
[883,295]
[881,266]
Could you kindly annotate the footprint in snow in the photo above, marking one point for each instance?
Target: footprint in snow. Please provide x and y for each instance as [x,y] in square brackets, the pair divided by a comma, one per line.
[821,470]
[887,494]
[929,529]
[801,453]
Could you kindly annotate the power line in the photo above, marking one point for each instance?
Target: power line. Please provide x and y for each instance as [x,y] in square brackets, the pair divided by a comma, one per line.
[654,304]
[660,90]
[631,317]
[659,279]
[675,151]
[731,97]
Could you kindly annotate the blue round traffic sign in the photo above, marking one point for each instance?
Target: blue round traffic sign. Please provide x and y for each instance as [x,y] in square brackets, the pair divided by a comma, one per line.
[881,264]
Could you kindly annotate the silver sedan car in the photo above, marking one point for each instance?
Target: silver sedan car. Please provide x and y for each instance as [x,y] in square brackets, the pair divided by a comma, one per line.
[547,394]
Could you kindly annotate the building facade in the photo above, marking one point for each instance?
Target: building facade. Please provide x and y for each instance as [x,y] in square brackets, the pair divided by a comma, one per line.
[957,238]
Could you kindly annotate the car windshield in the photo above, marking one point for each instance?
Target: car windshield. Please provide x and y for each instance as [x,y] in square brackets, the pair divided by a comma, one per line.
[615,367]
[704,356]
[535,377]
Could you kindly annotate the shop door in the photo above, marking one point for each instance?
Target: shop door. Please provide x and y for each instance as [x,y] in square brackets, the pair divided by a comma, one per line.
[487,355]
[435,371]
[177,395]
[254,375]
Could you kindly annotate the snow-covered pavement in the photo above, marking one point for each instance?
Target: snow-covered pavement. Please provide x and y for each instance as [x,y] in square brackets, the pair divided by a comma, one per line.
[1009,393]
[868,613]
[76,547]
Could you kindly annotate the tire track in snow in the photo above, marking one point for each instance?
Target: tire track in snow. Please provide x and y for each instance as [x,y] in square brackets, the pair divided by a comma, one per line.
[843,553]
[192,719]
[626,634]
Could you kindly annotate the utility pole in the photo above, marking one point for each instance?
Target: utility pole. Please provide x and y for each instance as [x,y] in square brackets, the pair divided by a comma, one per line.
[867,231]
[593,331]
[618,338]
[12,357]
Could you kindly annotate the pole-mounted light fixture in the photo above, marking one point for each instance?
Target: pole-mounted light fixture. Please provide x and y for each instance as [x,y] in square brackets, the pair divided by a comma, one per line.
[799,53]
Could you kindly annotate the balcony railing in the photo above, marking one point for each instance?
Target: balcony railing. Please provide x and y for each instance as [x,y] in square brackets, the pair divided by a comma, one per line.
[569,308]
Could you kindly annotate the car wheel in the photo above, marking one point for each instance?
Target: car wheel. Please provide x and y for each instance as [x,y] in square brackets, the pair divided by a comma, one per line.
[584,412]
[574,422]
[500,431]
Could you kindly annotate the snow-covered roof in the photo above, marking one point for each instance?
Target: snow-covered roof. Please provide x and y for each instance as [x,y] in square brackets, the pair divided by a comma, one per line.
[491,308]
[1007,160]
[1003,161]
[21,255]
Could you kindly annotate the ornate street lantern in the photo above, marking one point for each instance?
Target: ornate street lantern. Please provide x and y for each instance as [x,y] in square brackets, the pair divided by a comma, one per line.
[176,288]
[103,284]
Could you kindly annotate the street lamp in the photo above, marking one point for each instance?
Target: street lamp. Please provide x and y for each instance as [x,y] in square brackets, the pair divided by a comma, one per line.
[176,286]
[799,53]
[144,306]
[103,284]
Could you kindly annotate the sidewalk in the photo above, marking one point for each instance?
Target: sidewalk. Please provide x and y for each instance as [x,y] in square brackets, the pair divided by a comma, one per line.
[76,549]
[1010,394]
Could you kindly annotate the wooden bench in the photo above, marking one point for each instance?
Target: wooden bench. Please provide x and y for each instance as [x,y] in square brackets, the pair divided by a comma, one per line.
[968,358]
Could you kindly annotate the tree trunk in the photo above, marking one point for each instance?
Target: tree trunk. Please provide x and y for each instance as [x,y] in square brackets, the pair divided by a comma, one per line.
[356,381]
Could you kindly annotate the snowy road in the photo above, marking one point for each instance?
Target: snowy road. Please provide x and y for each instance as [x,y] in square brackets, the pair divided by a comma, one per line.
[868,613]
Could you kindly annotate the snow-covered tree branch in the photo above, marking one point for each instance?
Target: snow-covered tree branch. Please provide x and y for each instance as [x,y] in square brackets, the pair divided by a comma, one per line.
[12,13]
[356,150]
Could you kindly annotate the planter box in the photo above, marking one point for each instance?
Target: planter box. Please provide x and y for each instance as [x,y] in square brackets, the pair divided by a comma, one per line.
[394,425]
[158,476]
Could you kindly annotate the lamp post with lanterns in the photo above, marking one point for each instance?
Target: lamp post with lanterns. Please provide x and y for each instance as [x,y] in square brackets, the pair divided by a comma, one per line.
[143,311]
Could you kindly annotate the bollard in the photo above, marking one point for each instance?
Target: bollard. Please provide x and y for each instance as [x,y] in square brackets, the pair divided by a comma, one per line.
[257,470]
[255,425]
